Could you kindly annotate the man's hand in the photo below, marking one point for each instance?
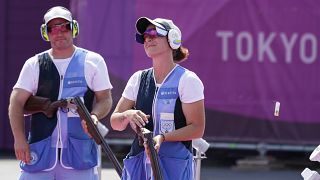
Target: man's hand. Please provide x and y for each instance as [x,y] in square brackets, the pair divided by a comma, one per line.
[85,127]
[22,150]
[18,99]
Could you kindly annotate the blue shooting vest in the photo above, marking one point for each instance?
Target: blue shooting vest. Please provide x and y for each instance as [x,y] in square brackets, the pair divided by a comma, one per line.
[175,157]
[78,151]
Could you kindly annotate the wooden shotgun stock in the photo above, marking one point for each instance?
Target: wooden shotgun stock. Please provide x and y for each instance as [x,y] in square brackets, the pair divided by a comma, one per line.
[154,159]
[93,130]
[38,104]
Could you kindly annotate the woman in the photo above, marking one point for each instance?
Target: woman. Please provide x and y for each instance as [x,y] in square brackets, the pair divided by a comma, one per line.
[166,99]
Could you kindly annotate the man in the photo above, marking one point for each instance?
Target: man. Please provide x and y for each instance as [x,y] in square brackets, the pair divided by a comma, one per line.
[59,147]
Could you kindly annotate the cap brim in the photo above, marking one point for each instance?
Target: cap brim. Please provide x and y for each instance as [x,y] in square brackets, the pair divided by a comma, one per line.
[143,22]
[55,17]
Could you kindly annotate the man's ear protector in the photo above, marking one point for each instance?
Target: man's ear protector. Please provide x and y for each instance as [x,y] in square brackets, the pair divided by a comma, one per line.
[174,36]
[74,29]
[44,33]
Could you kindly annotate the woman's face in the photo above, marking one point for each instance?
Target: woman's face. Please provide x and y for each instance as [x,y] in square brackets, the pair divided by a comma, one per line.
[155,44]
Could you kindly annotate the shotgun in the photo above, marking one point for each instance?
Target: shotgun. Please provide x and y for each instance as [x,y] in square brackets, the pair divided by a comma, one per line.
[93,130]
[154,159]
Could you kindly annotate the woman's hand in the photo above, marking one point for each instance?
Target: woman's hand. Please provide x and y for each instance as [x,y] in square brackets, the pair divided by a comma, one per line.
[158,140]
[136,118]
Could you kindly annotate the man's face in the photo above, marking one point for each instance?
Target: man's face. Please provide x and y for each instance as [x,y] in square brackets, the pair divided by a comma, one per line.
[59,32]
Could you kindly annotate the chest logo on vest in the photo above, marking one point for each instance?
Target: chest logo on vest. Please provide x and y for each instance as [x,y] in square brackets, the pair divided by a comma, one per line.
[71,82]
[74,82]
[168,93]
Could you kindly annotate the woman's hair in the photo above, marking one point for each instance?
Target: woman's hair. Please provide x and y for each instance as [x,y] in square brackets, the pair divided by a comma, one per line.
[180,54]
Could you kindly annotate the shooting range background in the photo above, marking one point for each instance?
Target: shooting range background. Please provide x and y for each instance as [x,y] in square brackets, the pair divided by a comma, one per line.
[249,54]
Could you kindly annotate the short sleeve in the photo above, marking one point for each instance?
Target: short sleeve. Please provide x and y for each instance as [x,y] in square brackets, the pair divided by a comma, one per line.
[131,90]
[191,88]
[29,75]
[96,72]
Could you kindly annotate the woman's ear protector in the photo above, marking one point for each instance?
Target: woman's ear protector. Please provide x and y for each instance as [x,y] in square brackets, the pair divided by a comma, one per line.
[74,26]
[174,38]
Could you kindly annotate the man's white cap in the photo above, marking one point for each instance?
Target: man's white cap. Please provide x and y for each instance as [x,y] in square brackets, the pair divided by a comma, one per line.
[57,12]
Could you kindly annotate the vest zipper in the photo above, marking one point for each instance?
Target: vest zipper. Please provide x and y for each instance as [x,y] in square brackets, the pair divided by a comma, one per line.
[154,115]
[59,122]
[60,145]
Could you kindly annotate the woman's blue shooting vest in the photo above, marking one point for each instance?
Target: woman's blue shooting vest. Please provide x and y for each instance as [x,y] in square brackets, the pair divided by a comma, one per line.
[77,150]
[165,107]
